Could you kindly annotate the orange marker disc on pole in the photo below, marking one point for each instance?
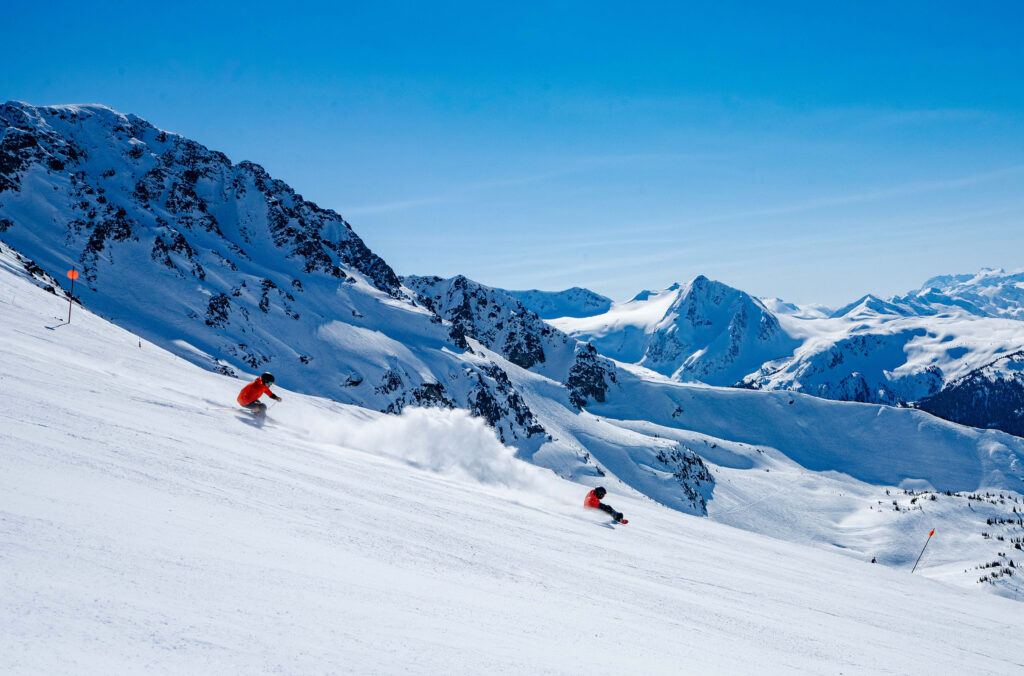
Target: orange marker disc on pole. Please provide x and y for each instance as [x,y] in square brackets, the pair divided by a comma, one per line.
[922,550]
[72,275]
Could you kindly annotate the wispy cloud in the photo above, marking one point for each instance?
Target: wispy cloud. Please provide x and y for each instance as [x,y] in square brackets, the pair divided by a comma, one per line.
[903,190]
[451,195]
[569,167]
[881,194]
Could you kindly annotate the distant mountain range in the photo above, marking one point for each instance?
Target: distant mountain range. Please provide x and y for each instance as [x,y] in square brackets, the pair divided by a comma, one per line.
[946,342]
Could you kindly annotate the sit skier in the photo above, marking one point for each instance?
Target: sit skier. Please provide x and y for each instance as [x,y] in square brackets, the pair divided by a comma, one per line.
[251,393]
[593,500]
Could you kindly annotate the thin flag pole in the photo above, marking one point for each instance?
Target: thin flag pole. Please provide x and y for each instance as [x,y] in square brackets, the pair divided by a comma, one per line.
[922,550]
[72,275]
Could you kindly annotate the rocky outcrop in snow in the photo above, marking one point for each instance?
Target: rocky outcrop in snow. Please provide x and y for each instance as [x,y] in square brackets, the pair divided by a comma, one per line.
[589,376]
[494,318]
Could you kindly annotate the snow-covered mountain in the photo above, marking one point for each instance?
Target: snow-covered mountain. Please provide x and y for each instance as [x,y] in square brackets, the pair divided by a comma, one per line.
[249,276]
[703,330]
[884,358]
[946,344]
[989,293]
[235,271]
[145,529]
[782,307]
[574,302]
[873,306]
[947,347]
[228,267]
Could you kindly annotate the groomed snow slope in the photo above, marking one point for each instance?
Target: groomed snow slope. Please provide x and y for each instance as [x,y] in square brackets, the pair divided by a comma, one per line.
[144,530]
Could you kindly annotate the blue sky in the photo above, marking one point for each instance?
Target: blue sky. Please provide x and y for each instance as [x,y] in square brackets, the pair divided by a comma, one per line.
[813,151]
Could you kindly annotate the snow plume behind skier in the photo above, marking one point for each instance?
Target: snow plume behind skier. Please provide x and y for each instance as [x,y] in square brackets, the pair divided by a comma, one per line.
[250,394]
[448,442]
[451,443]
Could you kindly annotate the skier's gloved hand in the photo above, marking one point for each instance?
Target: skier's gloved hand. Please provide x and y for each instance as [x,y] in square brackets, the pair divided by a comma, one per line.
[276,398]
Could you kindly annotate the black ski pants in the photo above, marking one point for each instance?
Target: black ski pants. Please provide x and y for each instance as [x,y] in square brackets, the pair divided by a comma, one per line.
[611,512]
[258,408]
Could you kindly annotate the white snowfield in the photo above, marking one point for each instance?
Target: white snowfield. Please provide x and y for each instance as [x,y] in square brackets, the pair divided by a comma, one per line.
[145,529]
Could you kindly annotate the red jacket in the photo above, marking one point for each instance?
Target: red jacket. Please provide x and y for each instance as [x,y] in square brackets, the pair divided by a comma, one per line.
[252,392]
[591,500]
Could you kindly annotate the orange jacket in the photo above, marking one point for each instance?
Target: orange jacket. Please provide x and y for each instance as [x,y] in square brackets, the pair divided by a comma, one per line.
[253,391]
[591,500]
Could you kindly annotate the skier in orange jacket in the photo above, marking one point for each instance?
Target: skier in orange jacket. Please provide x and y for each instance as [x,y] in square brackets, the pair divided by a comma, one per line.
[593,501]
[250,394]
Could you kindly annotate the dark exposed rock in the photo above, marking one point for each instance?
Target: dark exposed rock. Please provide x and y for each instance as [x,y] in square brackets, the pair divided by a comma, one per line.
[432,394]
[389,383]
[217,310]
[693,475]
[491,316]
[587,377]
[498,400]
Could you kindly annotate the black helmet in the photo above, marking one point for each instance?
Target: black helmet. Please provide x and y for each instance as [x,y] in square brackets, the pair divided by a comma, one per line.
[600,492]
[267,378]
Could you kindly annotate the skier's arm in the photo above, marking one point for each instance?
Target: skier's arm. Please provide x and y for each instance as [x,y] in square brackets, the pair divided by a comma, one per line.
[266,391]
